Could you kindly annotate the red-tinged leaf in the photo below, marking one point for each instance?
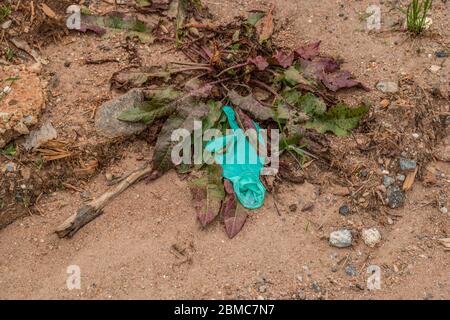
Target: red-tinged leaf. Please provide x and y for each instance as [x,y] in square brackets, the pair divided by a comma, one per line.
[88,23]
[248,126]
[326,70]
[207,194]
[260,62]
[308,52]
[188,110]
[252,106]
[203,91]
[228,186]
[327,64]
[234,214]
[235,222]
[339,80]
[315,69]
[96,29]
[284,60]
[246,122]
[214,196]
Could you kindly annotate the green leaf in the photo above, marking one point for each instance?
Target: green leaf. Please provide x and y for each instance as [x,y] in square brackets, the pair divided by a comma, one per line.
[215,111]
[133,115]
[162,161]
[286,141]
[256,109]
[214,195]
[5,12]
[115,22]
[312,105]
[208,193]
[12,78]
[159,98]
[158,105]
[292,76]
[297,149]
[147,117]
[181,17]
[184,168]
[254,17]
[187,113]
[10,150]
[292,96]
[138,79]
[143,3]
[339,120]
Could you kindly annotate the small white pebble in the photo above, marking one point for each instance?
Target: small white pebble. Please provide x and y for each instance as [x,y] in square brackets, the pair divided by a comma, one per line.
[7,89]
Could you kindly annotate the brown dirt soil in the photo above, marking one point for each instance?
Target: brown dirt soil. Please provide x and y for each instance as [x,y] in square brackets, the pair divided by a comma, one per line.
[148,243]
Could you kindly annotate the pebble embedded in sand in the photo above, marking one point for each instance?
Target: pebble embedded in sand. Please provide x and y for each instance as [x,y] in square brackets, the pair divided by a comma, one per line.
[341,238]
[371,237]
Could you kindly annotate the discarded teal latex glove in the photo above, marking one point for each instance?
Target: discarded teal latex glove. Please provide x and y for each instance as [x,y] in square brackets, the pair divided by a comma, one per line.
[240,163]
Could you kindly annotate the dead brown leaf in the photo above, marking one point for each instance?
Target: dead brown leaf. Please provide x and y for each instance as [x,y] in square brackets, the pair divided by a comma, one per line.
[340,190]
[445,242]
[409,181]
[54,150]
[264,27]
[87,168]
[48,11]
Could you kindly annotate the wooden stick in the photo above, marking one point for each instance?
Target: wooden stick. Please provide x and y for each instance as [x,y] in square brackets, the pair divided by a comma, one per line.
[93,209]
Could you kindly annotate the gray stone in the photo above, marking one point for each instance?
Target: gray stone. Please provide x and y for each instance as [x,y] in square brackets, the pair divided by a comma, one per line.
[315,286]
[441,54]
[395,197]
[38,137]
[301,295]
[435,68]
[387,181]
[341,238]
[86,196]
[6,24]
[350,271]
[407,164]
[387,86]
[401,177]
[10,167]
[106,122]
[344,210]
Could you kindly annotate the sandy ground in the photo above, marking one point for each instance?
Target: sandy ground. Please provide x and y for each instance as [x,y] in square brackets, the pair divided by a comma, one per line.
[148,243]
[133,250]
